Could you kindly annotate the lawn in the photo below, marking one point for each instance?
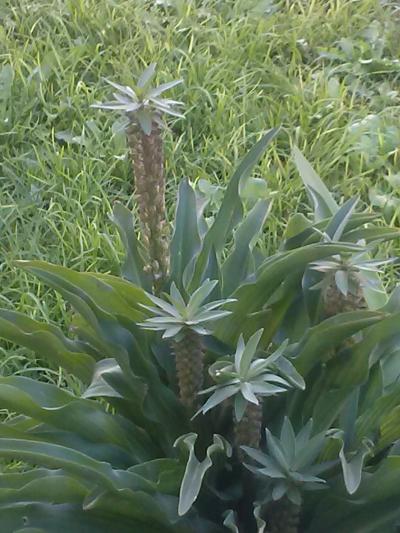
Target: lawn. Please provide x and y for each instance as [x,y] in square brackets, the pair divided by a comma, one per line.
[327,71]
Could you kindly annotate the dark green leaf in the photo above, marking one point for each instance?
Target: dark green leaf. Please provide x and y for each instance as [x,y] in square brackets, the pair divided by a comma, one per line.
[253,296]
[238,264]
[329,334]
[324,203]
[231,210]
[186,241]
[133,266]
[46,341]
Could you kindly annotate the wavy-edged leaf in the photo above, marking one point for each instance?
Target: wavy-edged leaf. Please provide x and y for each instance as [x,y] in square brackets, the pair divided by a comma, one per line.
[46,341]
[195,470]
[60,409]
[352,464]
[109,294]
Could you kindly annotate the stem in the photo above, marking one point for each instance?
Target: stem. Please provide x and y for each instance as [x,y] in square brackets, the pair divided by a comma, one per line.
[248,429]
[283,516]
[189,360]
[146,152]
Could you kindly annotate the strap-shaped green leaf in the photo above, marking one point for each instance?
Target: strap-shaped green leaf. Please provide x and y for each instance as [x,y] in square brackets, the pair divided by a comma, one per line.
[16,480]
[372,234]
[110,453]
[338,223]
[354,369]
[54,488]
[389,428]
[380,414]
[186,241]
[133,266]
[195,469]
[238,264]
[79,465]
[231,210]
[253,296]
[109,294]
[47,519]
[329,334]
[46,341]
[312,233]
[111,306]
[51,405]
[60,500]
[323,201]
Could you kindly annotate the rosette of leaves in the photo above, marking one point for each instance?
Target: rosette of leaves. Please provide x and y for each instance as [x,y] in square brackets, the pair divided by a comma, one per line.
[344,278]
[144,107]
[289,468]
[247,380]
[121,452]
[185,322]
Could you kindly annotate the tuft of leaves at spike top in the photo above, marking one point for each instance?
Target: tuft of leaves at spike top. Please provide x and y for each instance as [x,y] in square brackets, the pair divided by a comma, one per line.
[185,321]
[290,467]
[247,379]
[144,108]
[344,277]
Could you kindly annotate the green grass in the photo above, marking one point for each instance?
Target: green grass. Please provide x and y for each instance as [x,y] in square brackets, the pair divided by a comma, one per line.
[245,69]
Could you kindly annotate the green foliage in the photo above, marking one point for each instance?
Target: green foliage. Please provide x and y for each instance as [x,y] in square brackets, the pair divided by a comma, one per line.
[248,379]
[175,316]
[347,271]
[64,164]
[143,101]
[292,465]
[122,451]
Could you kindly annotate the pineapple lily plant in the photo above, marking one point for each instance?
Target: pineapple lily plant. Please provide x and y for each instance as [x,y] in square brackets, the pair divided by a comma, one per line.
[188,376]
[144,107]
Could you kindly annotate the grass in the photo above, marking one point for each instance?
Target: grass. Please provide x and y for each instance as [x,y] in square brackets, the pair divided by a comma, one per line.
[326,70]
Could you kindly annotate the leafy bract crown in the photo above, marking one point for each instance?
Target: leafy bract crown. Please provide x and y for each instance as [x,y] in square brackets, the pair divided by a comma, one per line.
[143,103]
[349,271]
[247,378]
[175,314]
[291,464]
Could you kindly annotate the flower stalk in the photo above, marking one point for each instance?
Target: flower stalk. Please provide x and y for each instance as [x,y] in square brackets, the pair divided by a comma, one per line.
[189,361]
[146,153]
[144,107]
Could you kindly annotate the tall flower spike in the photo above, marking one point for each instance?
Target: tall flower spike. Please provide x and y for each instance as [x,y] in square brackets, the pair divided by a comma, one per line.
[185,322]
[144,108]
[344,279]
[247,379]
